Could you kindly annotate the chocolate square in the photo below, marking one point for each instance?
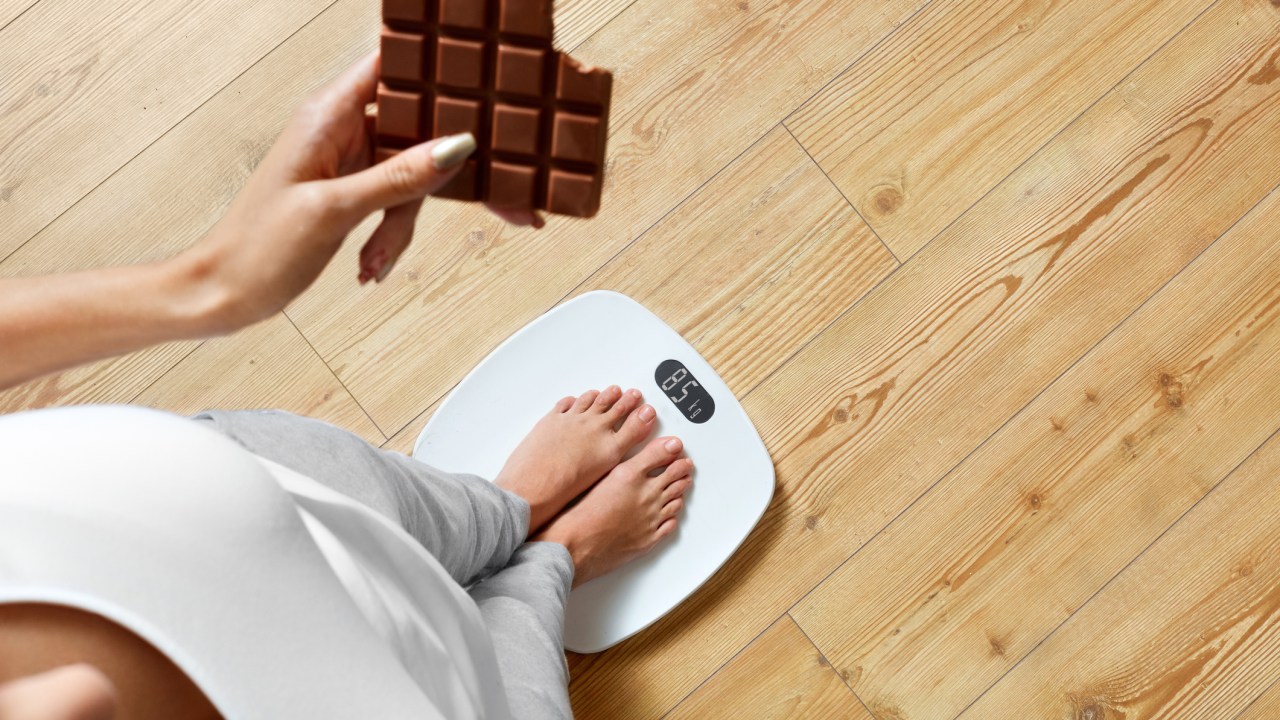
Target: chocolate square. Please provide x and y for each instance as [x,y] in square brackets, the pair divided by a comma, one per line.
[512,186]
[572,193]
[403,55]
[460,63]
[465,186]
[468,14]
[520,70]
[515,129]
[456,115]
[399,114]
[526,17]
[410,11]
[575,137]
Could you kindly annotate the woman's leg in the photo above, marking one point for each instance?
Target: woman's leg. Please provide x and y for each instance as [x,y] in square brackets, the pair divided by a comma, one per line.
[523,607]
[470,525]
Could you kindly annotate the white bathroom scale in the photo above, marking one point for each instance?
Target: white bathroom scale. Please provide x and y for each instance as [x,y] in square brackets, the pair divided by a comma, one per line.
[594,341]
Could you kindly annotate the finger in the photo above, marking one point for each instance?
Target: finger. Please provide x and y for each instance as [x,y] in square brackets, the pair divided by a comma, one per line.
[388,242]
[355,87]
[519,218]
[409,176]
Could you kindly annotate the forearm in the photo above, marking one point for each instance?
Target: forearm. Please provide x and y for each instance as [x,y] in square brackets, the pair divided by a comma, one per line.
[53,323]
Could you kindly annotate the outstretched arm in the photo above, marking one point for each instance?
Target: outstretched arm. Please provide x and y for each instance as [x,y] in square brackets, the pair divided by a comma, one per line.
[311,190]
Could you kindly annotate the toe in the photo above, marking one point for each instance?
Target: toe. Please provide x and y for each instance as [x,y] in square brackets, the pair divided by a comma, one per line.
[564,404]
[667,527]
[658,453]
[637,427]
[675,490]
[605,400]
[629,401]
[671,510]
[585,400]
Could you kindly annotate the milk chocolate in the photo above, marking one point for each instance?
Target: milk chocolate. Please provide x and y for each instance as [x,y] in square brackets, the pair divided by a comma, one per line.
[488,67]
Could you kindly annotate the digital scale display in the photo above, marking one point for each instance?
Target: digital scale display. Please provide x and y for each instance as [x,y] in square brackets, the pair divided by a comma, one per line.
[684,390]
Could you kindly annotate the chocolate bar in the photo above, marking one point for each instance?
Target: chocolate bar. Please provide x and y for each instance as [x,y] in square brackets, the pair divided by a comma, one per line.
[488,67]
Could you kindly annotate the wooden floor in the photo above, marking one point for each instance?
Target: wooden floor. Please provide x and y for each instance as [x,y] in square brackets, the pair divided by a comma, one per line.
[998,281]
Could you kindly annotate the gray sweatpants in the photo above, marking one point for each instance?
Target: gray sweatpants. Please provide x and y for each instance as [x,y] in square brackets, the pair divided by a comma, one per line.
[474,528]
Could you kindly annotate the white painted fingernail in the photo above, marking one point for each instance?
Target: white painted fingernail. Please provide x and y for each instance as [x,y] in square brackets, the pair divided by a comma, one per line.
[452,151]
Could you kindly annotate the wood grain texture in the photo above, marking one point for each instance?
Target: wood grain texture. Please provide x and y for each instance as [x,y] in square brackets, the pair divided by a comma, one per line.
[900,389]
[674,125]
[168,196]
[270,365]
[780,675]
[1030,526]
[11,9]
[1266,707]
[1191,629]
[932,119]
[77,103]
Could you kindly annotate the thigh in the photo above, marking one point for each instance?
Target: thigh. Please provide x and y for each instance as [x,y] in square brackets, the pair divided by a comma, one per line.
[35,638]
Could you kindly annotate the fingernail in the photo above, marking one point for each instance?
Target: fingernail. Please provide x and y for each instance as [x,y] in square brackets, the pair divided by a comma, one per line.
[646,413]
[672,445]
[634,392]
[386,270]
[452,151]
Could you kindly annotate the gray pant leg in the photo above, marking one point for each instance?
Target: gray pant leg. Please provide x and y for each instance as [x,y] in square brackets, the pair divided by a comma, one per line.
[523,607]
[469,524]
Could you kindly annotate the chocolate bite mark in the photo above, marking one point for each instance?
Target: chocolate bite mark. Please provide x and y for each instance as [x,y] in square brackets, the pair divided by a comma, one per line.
[488,67]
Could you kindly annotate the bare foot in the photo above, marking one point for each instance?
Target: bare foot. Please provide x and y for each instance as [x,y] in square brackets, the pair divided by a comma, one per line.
[572,447]
[627,513]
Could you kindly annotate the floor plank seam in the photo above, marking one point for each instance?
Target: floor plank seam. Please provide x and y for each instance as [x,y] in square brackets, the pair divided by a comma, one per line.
[603,25]
[1030,402]
[165,134]
[385,438]
[892,31]
[134,399]
[1275,433]
[1265,691]
[720,667]
[15,18]
[853,207]
[832,667]
[1031,156]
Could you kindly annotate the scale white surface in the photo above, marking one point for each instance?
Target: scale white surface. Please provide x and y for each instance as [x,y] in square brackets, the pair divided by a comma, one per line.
[593,341]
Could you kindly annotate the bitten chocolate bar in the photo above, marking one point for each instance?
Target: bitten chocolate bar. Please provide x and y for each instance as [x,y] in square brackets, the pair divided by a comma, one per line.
[488,67]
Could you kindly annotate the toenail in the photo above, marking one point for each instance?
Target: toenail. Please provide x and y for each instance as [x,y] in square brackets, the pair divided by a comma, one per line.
[646,413]
[672,445]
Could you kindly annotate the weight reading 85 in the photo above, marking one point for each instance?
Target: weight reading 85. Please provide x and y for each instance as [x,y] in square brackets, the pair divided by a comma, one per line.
[684,391]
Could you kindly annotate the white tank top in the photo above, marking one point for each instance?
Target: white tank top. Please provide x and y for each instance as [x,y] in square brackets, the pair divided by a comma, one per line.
[277,596]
